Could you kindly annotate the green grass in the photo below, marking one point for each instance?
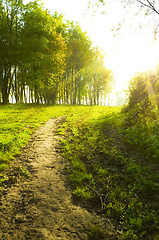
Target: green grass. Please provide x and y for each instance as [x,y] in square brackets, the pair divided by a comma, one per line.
[17,123]
[101,176]
[141,128]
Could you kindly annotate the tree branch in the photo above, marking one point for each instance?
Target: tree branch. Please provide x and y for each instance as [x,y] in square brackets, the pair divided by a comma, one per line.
[149,5]
[99,195]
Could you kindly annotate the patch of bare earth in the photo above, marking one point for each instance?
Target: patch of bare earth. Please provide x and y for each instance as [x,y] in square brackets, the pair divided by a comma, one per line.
[42,208]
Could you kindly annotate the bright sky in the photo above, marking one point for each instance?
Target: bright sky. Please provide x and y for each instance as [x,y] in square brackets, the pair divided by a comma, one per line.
[132,50]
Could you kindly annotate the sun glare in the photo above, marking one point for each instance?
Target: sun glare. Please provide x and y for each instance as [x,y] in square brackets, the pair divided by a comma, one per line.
[132,57]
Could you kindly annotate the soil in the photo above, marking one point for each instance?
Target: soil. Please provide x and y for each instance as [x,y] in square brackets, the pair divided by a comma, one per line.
[41,207]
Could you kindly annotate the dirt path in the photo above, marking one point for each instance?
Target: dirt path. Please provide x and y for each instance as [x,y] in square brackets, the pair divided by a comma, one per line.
[42,208]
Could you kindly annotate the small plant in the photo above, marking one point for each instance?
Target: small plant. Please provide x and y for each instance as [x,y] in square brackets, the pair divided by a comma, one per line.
[102,172]
[157,237]
[3,167]
[77,177]
[96,233]
[22,171]
[82,192]
[134,168]
[78,165]
[3,179]
[130,235]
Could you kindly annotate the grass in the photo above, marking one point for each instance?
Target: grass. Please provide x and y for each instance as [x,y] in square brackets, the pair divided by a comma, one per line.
[102,177]
[123,189]
[17,123]
[142,129]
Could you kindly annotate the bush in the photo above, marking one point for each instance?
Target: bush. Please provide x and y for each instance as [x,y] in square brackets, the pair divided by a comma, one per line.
[142,119]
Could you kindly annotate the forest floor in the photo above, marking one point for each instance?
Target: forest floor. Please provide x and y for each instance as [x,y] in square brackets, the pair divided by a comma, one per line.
[41,206]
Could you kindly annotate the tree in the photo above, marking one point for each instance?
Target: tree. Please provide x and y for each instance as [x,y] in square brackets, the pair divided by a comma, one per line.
[44,52]
[78,56]
[32,51]
[143,95]
[10,26]
[148,5]
[45,57]
[98,79]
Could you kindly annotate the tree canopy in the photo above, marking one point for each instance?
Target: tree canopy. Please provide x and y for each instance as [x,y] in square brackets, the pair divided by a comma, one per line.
[45,59]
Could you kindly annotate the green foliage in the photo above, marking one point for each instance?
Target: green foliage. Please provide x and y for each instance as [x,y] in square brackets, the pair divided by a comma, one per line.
[43,58]
[3,167]
[142,121]
[130,235]
[102,172]
[96,233]
[82,192]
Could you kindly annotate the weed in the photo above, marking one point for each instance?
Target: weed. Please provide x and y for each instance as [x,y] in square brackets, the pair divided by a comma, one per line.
[3,167]
[82,192]
[22,171]
[129,235]
[102,172]
[96,233]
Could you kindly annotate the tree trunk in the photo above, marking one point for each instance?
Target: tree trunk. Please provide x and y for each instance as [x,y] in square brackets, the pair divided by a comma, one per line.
[97,97]
[108,100]
[71,89]
[75,92]
[79,90]
[36,93]
[5,96]
[94,91]
[4,88]
[32,97]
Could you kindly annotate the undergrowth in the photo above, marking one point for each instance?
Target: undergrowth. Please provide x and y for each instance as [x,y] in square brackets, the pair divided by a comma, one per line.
[120,187]
[142,130]
[141,114]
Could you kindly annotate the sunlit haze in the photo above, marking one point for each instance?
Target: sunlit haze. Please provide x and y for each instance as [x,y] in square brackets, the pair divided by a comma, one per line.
[130,50]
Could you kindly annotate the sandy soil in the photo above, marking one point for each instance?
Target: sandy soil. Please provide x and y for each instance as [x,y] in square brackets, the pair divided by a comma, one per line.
[42,208]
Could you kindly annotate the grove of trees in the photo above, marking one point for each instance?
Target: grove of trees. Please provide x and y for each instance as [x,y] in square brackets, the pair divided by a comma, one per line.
[44,59]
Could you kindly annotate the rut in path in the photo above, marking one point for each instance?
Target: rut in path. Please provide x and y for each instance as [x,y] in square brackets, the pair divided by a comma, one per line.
[42,208]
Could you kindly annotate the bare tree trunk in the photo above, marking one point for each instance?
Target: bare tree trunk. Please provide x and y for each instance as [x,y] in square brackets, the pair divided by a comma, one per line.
[79,90]
[75,92]
[72,92]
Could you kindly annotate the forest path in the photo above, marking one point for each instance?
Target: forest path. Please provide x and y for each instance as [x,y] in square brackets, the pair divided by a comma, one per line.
[42,208]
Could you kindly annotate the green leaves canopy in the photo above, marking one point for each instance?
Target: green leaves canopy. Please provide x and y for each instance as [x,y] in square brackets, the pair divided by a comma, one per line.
[43,55]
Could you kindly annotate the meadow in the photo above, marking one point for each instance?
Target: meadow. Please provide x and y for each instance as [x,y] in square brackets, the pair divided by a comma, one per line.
[17,123]
[104,173]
